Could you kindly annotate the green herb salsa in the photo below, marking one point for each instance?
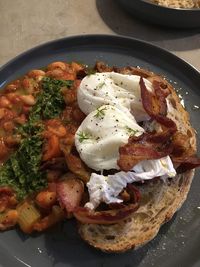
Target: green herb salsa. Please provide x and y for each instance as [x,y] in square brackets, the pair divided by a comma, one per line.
[22,170]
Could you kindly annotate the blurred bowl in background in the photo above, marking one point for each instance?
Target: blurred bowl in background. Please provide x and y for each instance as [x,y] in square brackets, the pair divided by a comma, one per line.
[156,14]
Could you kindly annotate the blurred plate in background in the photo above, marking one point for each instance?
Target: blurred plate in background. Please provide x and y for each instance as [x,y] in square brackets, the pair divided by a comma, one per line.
[171,17]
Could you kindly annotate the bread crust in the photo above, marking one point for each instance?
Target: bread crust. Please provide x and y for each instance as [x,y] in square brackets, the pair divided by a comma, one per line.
[145,223]
[160,200]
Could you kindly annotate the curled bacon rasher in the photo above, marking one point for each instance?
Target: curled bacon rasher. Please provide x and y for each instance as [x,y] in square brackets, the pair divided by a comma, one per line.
[155,104]
[149,145]
[157,145]
[116,211]
[186,163]
[85,215]
[144,147]
[182,153]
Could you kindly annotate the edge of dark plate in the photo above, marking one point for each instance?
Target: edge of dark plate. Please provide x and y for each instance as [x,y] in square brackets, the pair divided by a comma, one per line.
[87,39]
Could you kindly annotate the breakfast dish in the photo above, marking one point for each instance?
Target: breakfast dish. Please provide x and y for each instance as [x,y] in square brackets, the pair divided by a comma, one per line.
[178,3]
[112,147]
[61,245]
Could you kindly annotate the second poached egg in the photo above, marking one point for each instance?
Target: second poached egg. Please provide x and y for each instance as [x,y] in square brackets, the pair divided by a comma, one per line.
[100,135]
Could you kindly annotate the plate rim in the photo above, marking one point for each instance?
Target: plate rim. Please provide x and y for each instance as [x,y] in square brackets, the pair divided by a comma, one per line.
[84,36]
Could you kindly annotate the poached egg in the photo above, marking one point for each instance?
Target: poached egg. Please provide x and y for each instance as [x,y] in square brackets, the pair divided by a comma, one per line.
[111,88]
[101,134]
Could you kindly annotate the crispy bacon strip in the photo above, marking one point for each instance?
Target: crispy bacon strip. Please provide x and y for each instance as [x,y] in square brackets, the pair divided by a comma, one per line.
[155,104]
[134,193]
[144,147]
[150,145]
[130,194]
[85,215]
[134,71]
[186,163]
[116,212]
[102,67]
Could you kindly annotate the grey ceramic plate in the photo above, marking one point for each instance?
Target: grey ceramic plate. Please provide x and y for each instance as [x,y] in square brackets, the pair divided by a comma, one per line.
[171,17]
[178,242]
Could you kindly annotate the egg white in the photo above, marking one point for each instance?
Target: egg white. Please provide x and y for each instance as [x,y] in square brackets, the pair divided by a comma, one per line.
[105,134]
[122,91]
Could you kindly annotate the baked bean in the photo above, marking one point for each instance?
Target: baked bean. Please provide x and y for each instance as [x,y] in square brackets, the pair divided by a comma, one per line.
[9,219]
[29,85]
[7,114]
[26,109]
[21,119]
[8,126]
[46,199]
[13,86]
[7,198]
[60,74]
[36,74]
[2,113]
[13,98]
[4,102]
[76,67]
[70,96]
[55,127]
[28,100]
[12,140]
[57,65]
[55,73]
[4,150]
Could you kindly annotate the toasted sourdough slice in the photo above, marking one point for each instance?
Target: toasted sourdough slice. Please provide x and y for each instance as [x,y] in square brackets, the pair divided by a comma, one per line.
[159,203]
[159,200]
